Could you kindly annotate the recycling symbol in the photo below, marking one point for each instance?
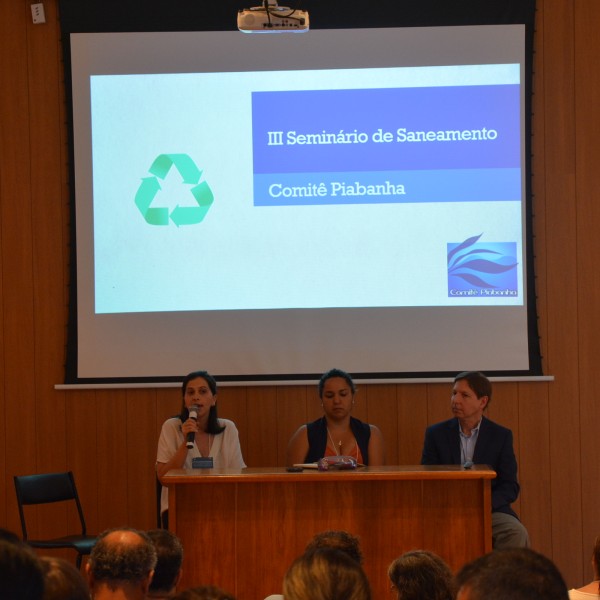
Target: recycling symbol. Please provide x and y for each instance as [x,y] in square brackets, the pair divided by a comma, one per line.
[180,215]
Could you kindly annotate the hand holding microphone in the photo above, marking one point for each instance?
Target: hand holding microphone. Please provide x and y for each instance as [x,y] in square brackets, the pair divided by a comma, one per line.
[193,414]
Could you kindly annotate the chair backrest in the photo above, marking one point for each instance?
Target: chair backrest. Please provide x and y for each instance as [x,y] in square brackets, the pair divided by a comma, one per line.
[45,488]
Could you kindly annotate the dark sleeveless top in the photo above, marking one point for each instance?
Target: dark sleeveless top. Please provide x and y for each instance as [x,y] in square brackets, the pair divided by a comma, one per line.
[317,438]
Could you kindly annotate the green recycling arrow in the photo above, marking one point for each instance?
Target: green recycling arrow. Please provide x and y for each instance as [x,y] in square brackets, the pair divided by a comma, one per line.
[180,215]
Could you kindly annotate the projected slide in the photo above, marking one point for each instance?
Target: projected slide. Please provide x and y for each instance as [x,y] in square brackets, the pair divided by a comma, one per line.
[269,205]
[248,190]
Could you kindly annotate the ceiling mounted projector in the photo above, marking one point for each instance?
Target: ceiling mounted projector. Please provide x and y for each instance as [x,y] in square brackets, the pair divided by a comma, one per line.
[271,18]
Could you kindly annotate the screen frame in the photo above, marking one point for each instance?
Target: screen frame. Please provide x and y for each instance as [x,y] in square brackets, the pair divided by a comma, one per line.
[111,16]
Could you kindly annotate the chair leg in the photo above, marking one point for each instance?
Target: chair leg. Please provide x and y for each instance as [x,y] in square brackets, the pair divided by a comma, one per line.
[78,562]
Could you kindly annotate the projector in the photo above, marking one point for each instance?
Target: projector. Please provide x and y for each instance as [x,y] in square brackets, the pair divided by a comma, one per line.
[272,19]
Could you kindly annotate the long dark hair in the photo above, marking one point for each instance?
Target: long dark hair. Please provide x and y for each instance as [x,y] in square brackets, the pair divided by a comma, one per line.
[212,426]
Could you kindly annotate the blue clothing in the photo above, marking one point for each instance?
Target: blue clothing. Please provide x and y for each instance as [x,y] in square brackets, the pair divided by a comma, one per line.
[317,438]
[494,447]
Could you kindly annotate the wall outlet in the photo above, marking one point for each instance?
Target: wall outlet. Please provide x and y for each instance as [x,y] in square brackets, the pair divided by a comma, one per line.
[37,13]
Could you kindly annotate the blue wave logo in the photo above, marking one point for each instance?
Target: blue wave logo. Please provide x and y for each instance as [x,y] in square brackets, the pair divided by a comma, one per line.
[482,268]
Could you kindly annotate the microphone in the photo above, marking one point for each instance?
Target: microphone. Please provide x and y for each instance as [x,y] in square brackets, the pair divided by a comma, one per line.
[193,414]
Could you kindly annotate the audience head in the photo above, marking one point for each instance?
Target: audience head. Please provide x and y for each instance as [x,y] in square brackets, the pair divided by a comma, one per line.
[122,559]
[21,576]
[478,382]
[169,554]
[62,581]
[341,540]
[325,574]
[336,373]
[514,574]
[421,575]
[204,592]
[8,536]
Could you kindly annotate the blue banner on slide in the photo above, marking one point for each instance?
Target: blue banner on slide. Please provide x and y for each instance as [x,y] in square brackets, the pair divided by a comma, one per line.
[395,129]
[438,144]
[376,187]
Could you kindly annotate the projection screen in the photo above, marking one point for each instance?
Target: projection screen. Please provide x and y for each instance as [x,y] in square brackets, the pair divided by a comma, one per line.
[268,206]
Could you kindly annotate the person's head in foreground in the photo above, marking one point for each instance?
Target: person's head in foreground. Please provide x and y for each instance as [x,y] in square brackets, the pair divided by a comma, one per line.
[341,540]
[325,574]
[421,575]
[169,555]
[62,580]
[513,574]
[21,575]
[122,562]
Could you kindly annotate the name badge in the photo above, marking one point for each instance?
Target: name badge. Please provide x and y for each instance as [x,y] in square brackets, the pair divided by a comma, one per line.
[202,462]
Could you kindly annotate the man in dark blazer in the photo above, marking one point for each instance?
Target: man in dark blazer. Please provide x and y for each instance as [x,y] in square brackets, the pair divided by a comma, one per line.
[470,438]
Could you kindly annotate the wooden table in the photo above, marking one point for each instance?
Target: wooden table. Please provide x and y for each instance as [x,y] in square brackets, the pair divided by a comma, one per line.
[242,529]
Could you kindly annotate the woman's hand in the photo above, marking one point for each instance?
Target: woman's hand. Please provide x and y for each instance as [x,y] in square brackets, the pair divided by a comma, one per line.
[189,426]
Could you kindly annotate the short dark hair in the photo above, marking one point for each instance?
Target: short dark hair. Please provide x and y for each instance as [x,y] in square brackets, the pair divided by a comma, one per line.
[421,574]
[512,574]
[116,562]
[478,382]
[341,540]
[169,554]
[62,581]
[335,373]
[212,426]
[21,576]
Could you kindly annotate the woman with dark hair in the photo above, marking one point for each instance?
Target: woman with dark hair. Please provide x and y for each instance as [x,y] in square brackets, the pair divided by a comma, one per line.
[214,438]
[337,432]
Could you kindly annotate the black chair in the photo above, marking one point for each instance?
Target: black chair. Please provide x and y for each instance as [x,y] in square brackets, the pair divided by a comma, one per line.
[162,519]
[158,495]
[44,489]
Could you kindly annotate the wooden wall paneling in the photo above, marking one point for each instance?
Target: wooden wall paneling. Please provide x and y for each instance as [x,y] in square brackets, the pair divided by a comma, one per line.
[294,408]
[313,402]
[82,454]
[111,457]
[504,409]
[141,458]
[382,411]
[412,422]
[168,404]
[15,222]
[48,208]
[360,409]
[563,319]
[587,123]
[538,142]
[232,404]
[5,82]
[48,284]
[262,425]
[534,442]
[534,464]
[438,402]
